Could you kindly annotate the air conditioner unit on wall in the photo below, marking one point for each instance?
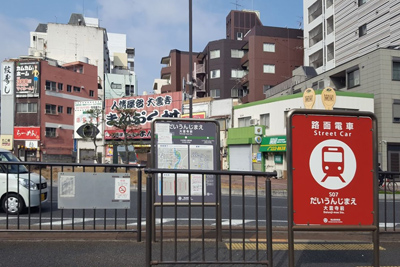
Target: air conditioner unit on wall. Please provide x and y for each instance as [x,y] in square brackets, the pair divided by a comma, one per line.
[253,122]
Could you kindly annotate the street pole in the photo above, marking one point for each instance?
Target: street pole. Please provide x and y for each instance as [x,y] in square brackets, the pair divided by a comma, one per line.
[190,62]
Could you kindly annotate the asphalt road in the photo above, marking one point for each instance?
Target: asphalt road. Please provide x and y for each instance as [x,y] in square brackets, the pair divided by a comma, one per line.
[49,214]
[42,253]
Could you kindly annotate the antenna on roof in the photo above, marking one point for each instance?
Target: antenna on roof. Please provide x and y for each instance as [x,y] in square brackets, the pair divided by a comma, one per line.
[236,4]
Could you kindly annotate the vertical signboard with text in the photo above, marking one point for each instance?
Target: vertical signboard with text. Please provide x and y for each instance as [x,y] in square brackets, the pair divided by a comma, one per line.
[27,79]
[187,144]
[7,104]
[332,163]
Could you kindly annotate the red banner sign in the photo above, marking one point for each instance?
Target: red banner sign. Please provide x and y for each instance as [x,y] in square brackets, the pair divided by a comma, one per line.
[147,107]
[26,133]
[332,159]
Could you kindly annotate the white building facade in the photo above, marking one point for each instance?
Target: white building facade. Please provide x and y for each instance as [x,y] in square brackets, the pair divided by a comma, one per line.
[336,31]
[254,124]
[75,41]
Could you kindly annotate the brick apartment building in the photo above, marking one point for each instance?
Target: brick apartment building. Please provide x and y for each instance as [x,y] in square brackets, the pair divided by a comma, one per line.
[44,100]
[252,59]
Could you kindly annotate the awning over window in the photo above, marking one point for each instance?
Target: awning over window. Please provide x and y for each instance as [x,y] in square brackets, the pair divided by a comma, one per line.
[273,144]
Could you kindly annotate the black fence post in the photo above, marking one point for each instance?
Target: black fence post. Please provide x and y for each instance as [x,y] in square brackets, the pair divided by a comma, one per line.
[268,205]
[139,205]
[149,219]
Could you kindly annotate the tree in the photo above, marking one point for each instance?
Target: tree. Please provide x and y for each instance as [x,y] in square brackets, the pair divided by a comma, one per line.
[128,123]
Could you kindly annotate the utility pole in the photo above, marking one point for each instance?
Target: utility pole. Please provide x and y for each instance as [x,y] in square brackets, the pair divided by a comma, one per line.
[190,83]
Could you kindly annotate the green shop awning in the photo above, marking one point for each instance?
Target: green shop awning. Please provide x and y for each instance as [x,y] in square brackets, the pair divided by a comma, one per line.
[273,144]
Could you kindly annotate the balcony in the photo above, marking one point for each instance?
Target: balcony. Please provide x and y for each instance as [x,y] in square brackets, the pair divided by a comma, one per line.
[200,69]
[244,62]
[167,88]
[244,81]
[201,87]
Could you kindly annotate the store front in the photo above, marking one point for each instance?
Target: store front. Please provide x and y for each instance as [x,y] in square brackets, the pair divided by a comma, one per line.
[274,153]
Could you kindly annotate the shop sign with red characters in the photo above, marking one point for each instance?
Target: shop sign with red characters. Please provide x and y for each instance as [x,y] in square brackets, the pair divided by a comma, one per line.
[147,108]
[332,159]
[26,133]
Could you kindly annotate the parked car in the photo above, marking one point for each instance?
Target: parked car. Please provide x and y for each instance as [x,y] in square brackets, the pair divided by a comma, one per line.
[19,188]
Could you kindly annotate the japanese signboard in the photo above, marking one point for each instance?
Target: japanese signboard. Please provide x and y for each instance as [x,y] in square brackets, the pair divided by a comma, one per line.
[83,119]
[27,79]
[26,133]
[332,158]
[7,141]
[7,81]
[147,107]
[273,144]
[186,144]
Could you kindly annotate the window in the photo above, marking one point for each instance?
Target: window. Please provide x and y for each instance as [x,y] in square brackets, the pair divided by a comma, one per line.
[215,93]
[26,107]
[236,53]
[362,2]
[69,88]
[353,78]
[236,92]
[396,110]
[362,30]
[77,89]
[244,122]
[264,119]
[239,36]
[50,132]
[69,110]
[129,90]
[60,86]
[238,73]
[396,70]
[215,74]
[214,54]
[60,109]
[269,68]
[91,93]
[52,86]
[51,109]
[268,47]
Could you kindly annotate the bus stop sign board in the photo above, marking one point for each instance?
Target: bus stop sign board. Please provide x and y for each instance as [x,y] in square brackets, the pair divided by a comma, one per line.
[332,163]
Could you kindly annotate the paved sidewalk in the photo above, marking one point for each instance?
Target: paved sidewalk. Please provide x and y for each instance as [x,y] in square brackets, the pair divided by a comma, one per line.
[279,186]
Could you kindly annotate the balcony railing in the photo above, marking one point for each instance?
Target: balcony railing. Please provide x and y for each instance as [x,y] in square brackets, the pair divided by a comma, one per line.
[200,69]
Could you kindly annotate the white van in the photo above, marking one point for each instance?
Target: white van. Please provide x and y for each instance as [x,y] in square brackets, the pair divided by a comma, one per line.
[14,191]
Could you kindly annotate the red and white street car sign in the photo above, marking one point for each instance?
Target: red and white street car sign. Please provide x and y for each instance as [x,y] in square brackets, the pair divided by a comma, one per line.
[332,169]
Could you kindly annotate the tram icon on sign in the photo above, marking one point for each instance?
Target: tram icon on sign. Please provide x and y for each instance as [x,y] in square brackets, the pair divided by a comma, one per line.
[333,162]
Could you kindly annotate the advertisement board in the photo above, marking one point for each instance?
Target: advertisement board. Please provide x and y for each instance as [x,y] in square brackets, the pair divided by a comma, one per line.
[332,156]
[27,79]
[147,107]
[26,133]
[6,141]
[83,120]
[7,81]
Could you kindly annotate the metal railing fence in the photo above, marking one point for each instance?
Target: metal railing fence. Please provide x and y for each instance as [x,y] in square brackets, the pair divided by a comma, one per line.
[205,239]
[389,192]
[41,211]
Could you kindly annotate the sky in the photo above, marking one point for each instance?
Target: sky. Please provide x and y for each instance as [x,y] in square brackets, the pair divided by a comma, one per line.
[152,27]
